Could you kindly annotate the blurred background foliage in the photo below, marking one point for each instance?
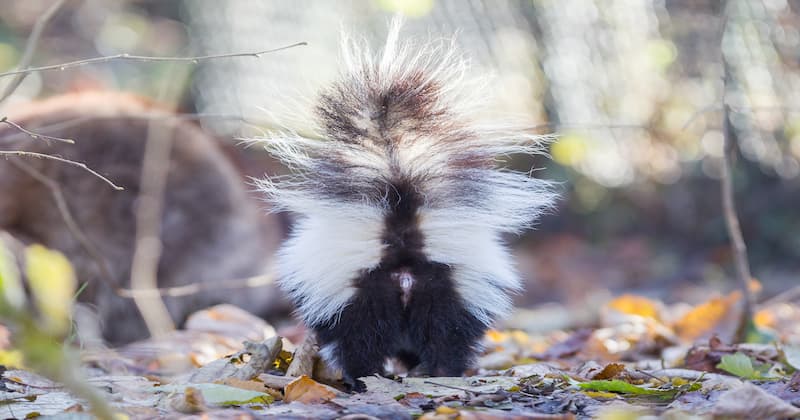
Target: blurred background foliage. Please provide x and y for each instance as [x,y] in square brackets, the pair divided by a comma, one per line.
[634,89]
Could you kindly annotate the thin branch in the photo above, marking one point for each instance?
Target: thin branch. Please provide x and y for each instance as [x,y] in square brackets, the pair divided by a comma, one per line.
[130,57]
[148,245]
[30,48]
[193,288]
[700,112]
[738,245]
[728,206]
[469,391]
[586,126]
[69,220]
[783,297]
[62,160]
[72,122]
[31,134]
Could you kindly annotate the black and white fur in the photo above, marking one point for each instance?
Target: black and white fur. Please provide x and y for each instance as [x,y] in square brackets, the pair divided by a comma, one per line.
[398,250]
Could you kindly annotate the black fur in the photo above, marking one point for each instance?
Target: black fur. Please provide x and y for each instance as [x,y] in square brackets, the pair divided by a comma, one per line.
[434,330]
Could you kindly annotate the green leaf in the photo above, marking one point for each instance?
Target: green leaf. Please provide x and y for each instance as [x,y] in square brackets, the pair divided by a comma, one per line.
[218,394]
[622,387]
[740,365]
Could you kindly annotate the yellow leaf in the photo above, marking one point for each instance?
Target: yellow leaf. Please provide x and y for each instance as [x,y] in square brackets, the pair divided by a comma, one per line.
[764,318]
[635,305]
[52,284]
[443,409]
[12,359]
[601,394]
[720,316]
[496,336]
[307,390]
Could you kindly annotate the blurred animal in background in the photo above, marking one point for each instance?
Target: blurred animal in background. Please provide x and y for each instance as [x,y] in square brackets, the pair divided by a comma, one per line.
[398,252]
[212,231]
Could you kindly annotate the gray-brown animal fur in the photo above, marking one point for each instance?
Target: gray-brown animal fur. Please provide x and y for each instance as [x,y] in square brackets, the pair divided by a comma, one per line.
[212,230]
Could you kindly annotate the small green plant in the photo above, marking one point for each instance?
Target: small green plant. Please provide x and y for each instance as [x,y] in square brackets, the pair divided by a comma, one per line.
[40,322]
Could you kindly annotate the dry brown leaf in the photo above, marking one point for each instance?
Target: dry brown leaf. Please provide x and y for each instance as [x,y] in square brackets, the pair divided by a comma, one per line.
[610,371]
[307,390]
[189,402]
[636,305]
[720,316]
[243,384]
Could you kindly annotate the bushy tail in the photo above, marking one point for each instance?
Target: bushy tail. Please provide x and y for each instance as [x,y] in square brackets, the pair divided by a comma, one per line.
[407,116]
[409,113]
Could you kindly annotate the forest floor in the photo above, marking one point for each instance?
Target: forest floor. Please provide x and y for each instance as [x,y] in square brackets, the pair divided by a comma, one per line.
[640,358]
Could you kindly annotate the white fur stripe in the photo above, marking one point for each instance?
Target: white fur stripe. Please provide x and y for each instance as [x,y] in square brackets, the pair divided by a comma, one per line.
[325,253]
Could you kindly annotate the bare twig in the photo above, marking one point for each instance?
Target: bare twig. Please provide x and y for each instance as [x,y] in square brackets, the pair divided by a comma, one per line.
[155,167]
[586,126]
[700,112]
[728,206]
[783,297]
[69,220]
[72,122]
[33,135]
[738,245]
[62,160]
[193,288]
[145,58]
[148,245]
[470,391]
[30,48]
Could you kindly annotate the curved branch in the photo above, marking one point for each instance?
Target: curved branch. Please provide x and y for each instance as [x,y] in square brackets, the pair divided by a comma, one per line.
[62,160]
[130,57]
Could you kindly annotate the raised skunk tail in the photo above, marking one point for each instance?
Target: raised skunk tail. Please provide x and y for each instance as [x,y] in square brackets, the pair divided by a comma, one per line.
[402,206]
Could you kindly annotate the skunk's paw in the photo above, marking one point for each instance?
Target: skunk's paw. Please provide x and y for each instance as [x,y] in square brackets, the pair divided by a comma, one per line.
[354,385]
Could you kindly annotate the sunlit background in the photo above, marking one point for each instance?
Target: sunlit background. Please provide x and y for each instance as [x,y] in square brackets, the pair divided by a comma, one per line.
[633,88]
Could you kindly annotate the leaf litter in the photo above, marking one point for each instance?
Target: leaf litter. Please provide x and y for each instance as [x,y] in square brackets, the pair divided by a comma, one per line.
[642,358]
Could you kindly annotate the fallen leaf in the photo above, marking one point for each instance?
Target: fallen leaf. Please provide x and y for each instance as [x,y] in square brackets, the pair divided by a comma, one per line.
[601,394]
[622,387]
[307,390]
[610,371]
[218,394]
[190,402]
[242,384]
[792,355]
[443,409]
[741,365]
[721,316]
[738,364]
[636,305]
[750,401]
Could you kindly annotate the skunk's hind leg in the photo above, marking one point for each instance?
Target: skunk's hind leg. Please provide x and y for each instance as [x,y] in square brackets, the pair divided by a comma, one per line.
[364,336]
[444,333]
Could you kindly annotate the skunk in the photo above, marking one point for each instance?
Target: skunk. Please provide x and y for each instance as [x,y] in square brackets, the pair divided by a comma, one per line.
[398,249]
